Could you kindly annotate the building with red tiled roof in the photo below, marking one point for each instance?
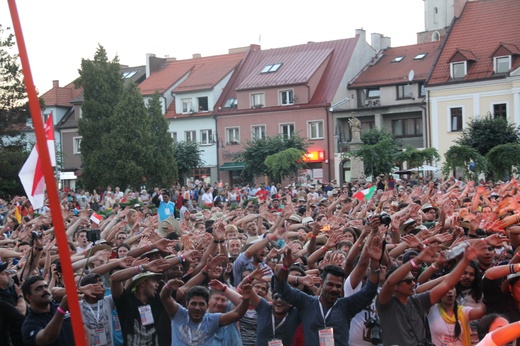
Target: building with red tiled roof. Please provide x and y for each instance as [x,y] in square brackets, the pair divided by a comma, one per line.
[478,70]
[285,91]
[189,89]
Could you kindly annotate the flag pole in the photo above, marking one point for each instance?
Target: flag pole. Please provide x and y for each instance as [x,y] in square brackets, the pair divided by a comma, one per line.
[52,191]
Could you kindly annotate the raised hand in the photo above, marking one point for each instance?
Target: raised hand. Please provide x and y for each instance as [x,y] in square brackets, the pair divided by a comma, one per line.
[175,284]
[216,285]
[429,254]
[411,240]
[247,291]
[260,273]
[288,258]
[192,255]
[158,265]
[309,280]
[92,290]
[375,249]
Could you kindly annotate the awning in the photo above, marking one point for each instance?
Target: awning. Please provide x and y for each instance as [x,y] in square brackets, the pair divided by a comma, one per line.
[232,166]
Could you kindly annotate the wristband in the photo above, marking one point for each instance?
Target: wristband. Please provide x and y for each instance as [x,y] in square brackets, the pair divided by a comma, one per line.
[426,242]
[141,268]
[249,279]
[313,236]
[61,311]
[434,266]
[206,269]
[324,248]
[270,236]
[20,296]
[284,268]
[181,259]
[414,265]
[169,287]
[297,280]
[148,247]
[225,288]
[137,270]
[511,269]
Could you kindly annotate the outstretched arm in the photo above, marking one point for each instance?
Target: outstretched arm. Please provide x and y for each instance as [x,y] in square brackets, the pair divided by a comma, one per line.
[240,310]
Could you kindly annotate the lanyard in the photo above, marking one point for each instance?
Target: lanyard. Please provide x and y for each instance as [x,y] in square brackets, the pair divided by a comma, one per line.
[189,329]
[98,308]
[275,327]
[328,313]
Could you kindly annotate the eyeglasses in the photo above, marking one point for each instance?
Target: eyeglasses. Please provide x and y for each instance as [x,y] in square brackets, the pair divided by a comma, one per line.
[276,296]
[408,281]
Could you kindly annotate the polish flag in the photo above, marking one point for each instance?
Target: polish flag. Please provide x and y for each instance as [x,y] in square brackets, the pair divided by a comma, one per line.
[96,218]
[31,174]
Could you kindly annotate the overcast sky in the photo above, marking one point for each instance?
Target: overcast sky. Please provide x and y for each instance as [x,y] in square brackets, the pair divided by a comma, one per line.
[59,33]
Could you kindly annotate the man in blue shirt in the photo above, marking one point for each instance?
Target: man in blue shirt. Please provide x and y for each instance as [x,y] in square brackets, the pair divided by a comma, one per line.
[326,317]
[166,207]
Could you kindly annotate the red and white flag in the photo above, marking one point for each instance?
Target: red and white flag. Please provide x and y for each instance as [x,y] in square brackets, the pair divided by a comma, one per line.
[96,218]
[31,174]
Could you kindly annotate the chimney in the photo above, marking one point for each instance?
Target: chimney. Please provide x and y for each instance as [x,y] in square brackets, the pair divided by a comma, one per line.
[375,41]
[197,56]
[386,42]
[361,33]
[149,68]
[55,84]
[252,47]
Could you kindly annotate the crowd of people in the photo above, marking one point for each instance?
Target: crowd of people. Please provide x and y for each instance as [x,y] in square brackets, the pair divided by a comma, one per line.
[387,262]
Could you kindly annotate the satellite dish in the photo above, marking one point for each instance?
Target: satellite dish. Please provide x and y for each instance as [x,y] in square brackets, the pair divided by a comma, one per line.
[411,74]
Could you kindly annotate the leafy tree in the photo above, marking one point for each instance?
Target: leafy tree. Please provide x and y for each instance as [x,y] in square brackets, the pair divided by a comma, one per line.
[462,157]
[256,152]
[379,151]
[164,164]
[504,159]
[285,164]
[102,89]
[127,150]
[14,111]
[415,157]
[188,157]
[483,134]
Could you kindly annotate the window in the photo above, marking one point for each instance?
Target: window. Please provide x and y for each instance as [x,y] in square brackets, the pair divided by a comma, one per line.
[367,125]
[286,97]
[373,93]
[404,91]
[407,127]
[458,69]
[316,129]
[257,100]
[203,104]
[205,136]
[456,119]
[232,135]
[129,74]
[419,56]
[186,105]
[502,64]
[231,103]
[398,59]
[76,142]
[500,110]
[436,36]
[271,68]
[258,132]
[174,137]
[422,90]
[287,130]
[190,136]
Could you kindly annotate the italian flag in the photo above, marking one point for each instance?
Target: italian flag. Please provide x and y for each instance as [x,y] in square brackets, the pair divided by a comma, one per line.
[367,194]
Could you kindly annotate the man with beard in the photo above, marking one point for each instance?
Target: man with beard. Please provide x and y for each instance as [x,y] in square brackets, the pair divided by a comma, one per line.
[47,323]
[193,326]
[486,259]
[325,319]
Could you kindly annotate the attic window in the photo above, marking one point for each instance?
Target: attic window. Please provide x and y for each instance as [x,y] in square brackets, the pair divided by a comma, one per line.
[502,64]
[419,56]
[231,103]
[271,68]
[129,74]
[398,58]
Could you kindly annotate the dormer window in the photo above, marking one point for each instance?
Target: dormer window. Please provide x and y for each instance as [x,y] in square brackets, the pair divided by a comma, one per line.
[271,68]
[502,64]
[458,69]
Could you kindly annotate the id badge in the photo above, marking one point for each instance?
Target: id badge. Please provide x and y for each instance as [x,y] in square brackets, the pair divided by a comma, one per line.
[117,325]
[145,312]
[100,338]
[326,337]
[166,211]
[275,342]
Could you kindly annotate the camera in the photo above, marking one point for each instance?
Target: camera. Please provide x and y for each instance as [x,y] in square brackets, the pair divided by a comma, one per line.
[375,330]
[385,219]
[58,267]
[36,235]
[93,235]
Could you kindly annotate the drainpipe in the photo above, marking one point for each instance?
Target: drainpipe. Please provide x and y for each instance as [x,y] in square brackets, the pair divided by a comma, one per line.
[328,141]
[216,147]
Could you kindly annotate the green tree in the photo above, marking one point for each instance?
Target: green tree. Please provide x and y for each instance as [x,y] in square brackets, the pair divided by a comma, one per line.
[462,156]
[285,164]
[379,151]
[164,164]
[504,160]
[256,152]
[188,157]
[415,157]
[102,89]
[127,150]
[14,112]
[483,134]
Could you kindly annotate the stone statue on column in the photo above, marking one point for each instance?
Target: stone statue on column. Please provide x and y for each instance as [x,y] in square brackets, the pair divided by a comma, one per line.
[355,127]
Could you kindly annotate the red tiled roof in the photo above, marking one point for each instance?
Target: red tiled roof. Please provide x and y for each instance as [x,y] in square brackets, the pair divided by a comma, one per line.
[481,28]
[299,62]
[202,73]
[386,72]
[61,96]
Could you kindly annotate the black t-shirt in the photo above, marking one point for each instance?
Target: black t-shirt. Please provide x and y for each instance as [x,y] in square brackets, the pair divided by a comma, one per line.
[34,322]
[134,332]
